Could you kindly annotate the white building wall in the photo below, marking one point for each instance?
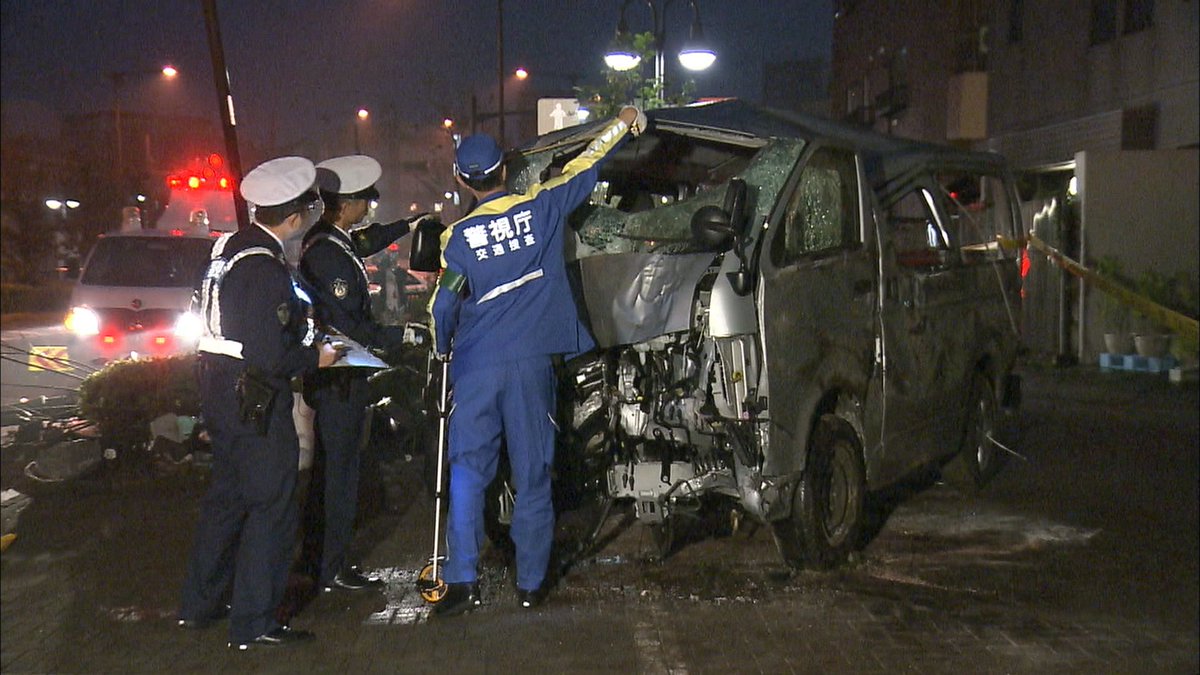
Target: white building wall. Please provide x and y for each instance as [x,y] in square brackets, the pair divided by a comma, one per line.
[1142,207]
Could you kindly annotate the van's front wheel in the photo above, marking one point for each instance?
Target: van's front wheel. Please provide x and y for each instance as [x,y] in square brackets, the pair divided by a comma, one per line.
[829,502]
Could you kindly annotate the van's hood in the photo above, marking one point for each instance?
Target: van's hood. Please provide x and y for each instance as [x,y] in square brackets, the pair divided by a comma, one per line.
[130,298]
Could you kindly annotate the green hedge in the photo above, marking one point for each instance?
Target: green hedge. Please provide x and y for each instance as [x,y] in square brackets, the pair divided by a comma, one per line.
[48,297]
[123,397]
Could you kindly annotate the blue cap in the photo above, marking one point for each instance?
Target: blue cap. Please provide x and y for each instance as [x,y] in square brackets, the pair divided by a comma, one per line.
[477,156]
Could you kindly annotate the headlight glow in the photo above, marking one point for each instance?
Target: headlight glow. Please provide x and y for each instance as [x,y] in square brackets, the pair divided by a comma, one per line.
[189,327]
[83,322]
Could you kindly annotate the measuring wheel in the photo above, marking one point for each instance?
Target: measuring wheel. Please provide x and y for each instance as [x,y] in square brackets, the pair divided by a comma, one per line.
[430,583]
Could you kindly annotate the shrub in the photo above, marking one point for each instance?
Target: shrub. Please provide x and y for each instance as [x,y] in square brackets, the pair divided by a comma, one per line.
[1114,314]
[125,396]
[51,296]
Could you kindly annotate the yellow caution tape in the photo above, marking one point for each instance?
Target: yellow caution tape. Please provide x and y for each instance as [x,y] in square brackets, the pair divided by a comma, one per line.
[1186,327]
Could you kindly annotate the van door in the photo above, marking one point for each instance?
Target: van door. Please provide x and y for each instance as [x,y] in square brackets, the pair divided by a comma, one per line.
[921,335]
[818,294]
[949,306]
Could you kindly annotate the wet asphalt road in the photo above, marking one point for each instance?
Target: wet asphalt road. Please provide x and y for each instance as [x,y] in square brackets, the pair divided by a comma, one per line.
[1081,557]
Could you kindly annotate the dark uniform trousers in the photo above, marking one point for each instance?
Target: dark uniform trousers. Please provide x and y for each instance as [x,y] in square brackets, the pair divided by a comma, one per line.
[340,399]
[250,499]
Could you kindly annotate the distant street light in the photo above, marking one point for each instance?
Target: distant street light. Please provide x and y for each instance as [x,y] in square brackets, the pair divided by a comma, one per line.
[696,55]
[61,205]
[521,73]
[118,79]
[363,114]
[62,237]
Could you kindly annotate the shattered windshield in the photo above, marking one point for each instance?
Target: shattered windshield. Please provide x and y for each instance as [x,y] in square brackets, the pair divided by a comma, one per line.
[651,186]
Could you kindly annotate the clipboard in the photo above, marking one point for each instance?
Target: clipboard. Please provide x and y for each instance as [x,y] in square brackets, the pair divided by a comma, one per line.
[357,356]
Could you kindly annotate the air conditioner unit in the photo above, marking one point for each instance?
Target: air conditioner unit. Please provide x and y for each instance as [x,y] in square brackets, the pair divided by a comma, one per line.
[966,107]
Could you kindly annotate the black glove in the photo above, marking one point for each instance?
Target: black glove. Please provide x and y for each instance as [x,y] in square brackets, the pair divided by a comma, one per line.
[425,253]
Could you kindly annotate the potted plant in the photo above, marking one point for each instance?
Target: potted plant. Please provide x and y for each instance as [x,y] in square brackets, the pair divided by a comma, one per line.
[1114,314]
[1149,338]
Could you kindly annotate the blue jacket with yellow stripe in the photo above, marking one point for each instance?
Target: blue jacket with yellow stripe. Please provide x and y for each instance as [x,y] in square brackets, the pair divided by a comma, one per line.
[516,302]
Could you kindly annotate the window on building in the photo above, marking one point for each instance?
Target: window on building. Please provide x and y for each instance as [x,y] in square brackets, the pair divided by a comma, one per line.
[1016,21]
[1139,15]
[1139,127]
[1104,21]
[822,213]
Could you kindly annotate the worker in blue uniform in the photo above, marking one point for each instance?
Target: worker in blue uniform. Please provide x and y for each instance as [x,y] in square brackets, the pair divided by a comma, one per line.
[331,263]
[504,306]
[258,336]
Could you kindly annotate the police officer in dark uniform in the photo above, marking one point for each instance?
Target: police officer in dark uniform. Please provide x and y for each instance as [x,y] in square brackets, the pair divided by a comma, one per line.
[258,336]
[332,265]
[504,305]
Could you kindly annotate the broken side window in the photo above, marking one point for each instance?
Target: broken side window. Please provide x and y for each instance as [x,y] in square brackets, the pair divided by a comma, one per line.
[917,236]
[979,210]
[822,212]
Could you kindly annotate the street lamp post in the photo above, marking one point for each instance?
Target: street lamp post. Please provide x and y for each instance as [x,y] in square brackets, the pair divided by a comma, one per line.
[695,55]
[362,115]
[500,65]
[61,236]
[118,79]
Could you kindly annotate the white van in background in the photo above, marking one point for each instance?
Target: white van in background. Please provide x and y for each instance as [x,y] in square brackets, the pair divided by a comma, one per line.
[133,292]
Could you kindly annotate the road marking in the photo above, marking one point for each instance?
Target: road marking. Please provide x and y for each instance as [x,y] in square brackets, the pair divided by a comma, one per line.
[54,359]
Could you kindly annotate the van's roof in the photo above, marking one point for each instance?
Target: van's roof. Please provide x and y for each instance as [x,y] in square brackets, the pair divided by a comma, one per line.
[889,158]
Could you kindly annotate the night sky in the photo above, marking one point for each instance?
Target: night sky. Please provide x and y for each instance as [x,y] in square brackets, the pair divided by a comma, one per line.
[294,66]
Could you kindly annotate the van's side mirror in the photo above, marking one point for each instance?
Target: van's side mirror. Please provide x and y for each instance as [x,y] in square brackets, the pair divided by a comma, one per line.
[710,227]
[714,226]
[735,205]
[425,253]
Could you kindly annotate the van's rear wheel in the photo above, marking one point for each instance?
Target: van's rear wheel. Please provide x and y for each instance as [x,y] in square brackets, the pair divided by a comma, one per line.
[828,505]
[978,459]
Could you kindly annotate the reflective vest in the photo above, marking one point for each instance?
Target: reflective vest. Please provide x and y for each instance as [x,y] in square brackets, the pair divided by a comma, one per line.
[207,300]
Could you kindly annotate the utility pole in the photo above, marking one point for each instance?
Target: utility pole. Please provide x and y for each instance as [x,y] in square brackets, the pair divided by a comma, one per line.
[225,105]
[500,64]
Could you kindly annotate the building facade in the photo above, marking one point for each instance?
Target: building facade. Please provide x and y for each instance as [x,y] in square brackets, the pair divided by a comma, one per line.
[1095,104]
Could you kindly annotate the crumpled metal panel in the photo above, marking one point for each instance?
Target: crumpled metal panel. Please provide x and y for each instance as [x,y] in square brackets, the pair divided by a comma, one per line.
[632,297]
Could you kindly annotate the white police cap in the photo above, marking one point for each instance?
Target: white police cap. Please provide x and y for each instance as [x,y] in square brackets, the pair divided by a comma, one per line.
[350,176]
[278,181]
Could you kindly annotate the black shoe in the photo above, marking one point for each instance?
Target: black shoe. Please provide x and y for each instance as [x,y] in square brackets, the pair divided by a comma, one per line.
[531,599]
[219,613]
[279,637]
[350,579]
[459,599]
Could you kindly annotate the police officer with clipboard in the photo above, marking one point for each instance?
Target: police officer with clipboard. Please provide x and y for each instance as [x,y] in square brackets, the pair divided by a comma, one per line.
[258,335]
[332,265]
